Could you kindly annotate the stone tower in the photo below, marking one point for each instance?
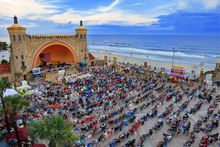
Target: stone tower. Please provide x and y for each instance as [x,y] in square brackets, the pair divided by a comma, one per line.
[81,34]
[216,74]
[17,34]
[218,66]
[27,49]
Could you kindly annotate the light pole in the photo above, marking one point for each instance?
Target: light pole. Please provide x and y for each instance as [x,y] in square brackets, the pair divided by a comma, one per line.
[173,57]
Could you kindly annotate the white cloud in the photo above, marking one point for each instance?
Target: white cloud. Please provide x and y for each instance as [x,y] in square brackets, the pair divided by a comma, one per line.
[211,4]
[110,7]
[104,15]
[26,8]
[30,25]
[39,9]
[68,16]
[115,17]
[5,39]
[197,5]
[119,18]
[138,4]
[182,4]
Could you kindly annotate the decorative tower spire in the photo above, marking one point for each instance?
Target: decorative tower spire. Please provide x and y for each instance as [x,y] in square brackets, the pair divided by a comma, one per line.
[81,23]
[81,31]
[15,20]
[16,28]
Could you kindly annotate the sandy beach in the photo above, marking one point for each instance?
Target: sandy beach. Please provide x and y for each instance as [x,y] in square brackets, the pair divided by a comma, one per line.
[153,63]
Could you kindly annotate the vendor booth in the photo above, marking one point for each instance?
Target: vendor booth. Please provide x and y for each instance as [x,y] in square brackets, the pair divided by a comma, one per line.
[178,73]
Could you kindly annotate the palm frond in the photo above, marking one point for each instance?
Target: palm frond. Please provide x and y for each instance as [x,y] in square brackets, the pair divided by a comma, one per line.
[4,84]
[15,103]
[54,128]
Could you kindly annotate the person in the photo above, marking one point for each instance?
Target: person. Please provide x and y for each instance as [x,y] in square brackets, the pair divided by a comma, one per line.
[109,91]
[204,141]
[186,127]
[213,138]
[191,138]
[12,141]
[160,144]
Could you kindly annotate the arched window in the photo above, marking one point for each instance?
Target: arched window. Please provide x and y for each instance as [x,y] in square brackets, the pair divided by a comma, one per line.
[14,37]
[19,37]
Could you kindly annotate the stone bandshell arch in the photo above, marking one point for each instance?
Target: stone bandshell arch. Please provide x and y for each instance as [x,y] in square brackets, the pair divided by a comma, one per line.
[51,43]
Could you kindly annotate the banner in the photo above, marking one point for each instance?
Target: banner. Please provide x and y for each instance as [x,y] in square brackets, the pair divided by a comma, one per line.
[178,70]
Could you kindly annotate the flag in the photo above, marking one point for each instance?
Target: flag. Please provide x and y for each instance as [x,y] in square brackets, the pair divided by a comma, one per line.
[46,57]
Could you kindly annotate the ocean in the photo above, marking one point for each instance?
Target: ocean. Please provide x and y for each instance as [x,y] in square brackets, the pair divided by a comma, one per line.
[195,50]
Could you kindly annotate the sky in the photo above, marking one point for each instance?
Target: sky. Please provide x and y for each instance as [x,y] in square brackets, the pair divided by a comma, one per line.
[162,17]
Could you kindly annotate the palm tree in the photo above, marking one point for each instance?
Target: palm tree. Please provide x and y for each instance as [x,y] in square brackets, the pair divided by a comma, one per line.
[54,129]
[13,105]
[3,85]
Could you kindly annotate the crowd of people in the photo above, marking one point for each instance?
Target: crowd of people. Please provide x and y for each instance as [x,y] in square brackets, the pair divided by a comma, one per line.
[129,108]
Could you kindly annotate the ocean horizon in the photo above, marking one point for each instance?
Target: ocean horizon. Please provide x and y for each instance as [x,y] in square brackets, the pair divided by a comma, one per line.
[197,50]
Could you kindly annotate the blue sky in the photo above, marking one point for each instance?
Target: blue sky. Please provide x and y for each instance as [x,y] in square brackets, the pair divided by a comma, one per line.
[178,17]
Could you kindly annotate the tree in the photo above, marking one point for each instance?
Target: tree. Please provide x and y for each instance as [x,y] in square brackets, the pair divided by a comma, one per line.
[4,61]
[3,46]
[55,129]
[3,85]
[13,105]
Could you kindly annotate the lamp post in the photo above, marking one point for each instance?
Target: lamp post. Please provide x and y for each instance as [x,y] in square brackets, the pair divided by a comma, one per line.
[173,57]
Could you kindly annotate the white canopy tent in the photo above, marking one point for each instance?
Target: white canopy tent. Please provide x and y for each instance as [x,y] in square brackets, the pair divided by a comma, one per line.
[24,85]
[9,92]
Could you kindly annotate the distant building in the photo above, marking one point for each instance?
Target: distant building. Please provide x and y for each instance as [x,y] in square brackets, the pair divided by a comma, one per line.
[30,51]
[215,75]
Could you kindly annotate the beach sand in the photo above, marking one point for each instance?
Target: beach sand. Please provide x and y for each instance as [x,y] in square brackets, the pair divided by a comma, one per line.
[153,63]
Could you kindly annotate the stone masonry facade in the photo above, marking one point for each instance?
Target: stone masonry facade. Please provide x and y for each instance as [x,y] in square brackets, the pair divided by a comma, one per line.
[25,48]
